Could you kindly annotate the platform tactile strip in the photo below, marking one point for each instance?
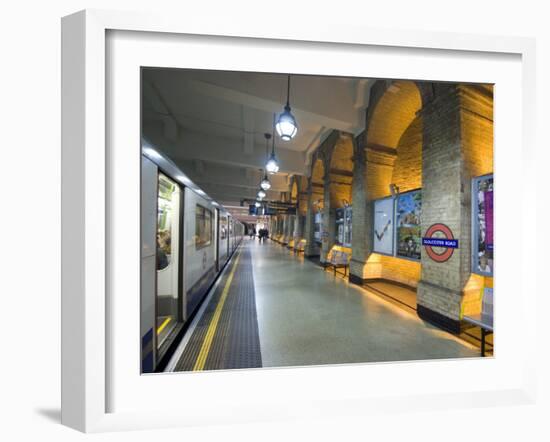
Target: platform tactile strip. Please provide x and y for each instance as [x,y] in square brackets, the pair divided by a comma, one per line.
[236,342]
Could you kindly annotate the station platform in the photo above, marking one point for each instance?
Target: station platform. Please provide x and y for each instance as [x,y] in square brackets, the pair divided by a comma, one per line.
[272,308]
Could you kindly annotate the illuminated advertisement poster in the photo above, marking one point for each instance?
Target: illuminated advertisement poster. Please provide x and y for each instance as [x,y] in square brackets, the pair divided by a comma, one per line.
[383,226]
[482,259]
[339,226]
[408,237]
[317,226]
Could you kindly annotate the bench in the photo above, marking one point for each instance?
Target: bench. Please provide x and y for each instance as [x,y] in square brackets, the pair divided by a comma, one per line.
[483,320]
[300,248]
[338,260]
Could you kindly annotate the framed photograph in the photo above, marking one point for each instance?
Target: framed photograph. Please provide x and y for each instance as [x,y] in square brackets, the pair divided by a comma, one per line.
[384,226]
[130,209]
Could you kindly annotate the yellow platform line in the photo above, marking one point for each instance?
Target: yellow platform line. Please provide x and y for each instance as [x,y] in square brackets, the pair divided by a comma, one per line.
[207,343]
[164,324]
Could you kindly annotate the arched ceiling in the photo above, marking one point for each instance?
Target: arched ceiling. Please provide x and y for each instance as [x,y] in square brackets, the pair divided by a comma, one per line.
[318,173]
[393,113]
[341,160]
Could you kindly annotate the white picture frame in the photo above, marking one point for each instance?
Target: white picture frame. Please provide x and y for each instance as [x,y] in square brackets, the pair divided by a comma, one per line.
[92,370]
[384,226]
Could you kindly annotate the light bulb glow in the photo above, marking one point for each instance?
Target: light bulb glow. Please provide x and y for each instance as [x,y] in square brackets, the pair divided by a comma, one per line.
[286,125]
[265,184]
[272,166]
[261,194]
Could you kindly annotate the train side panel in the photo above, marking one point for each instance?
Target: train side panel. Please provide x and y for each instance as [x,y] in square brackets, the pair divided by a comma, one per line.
[149,177]
[199,246]
[223,238]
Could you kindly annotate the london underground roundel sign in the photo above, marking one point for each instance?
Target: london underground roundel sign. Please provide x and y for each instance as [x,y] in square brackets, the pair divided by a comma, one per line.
[445,240]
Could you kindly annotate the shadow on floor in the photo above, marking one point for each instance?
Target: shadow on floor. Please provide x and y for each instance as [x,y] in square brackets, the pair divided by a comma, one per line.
[51,414]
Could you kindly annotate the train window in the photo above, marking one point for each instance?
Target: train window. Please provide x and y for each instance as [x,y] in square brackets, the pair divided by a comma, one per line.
[164,222]
[203,227]
[223,228]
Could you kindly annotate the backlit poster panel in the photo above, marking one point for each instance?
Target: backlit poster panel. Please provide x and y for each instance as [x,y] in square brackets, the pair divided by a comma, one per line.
[408,237]
[383,226]
[482,223]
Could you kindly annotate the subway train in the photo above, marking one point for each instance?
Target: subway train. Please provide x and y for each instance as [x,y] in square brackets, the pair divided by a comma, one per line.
[186,240]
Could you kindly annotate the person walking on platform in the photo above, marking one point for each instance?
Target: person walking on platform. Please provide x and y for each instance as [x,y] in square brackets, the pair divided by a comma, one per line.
[263,234]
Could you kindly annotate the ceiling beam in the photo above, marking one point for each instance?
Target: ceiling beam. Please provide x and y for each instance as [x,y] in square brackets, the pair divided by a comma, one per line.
[271,106]
[207,147]
[248,126]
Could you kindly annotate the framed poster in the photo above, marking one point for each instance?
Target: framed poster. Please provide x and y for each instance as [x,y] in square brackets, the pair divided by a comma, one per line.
[339,226]
[384,226]
[482,225]
[318,227]
[102,387]
[407,219]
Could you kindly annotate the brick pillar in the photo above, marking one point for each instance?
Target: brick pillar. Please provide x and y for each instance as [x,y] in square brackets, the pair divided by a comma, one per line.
[297,229]
[328,227]
[446,200]
[361,240]
[289,228]
[310,248]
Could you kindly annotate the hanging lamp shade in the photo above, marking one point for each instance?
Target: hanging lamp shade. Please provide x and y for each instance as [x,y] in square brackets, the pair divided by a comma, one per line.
[261,194]
[272,165]
[265,184]
[286,123]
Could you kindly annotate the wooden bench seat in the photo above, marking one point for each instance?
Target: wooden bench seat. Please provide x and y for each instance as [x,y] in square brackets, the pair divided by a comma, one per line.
[338,260]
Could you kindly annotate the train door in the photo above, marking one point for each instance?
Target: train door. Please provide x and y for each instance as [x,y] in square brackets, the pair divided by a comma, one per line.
[168,289]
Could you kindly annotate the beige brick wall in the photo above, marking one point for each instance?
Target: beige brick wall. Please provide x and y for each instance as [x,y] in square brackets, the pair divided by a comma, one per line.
[407,172]
[404,170]
[400,270]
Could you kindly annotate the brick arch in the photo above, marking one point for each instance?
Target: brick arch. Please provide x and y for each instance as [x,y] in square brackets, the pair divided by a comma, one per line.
[302,184]
[407,169]
[393,143]
[318,179]
[395,107]
[341,172]
[294,189]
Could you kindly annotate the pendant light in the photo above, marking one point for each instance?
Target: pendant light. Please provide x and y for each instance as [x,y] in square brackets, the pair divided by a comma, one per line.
[261,194]
[265,184]
[286,124]
[272,166]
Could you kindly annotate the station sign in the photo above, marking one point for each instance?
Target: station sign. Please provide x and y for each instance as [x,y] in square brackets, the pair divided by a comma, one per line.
[447,242]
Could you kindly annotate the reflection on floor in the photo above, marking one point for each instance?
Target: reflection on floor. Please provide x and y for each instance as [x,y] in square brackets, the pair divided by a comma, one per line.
[165,324]
[309,316]
[403,296]
[280,309]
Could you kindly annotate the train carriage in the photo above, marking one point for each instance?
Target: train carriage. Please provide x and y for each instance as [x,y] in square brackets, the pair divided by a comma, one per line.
[186,240]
